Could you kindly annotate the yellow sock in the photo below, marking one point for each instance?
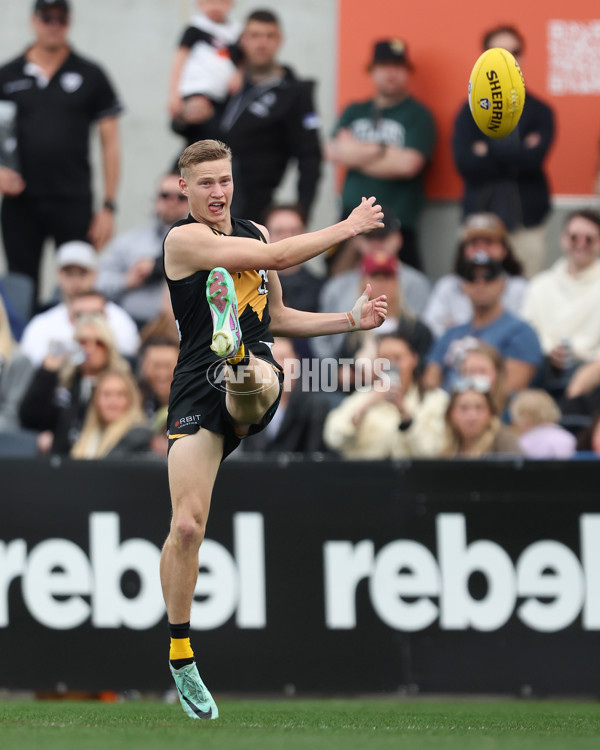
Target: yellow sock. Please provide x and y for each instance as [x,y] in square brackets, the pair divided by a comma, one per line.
[238,356]
[181,648]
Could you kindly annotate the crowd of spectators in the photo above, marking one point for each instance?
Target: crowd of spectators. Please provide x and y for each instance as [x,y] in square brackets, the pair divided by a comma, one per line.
[501,356]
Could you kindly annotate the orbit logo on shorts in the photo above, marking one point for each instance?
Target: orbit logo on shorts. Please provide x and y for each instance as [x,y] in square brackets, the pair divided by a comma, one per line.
[191,419]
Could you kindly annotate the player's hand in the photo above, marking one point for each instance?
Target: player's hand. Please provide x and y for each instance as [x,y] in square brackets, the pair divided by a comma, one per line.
[367,314]
[102,228]
[366,216]
[11,182]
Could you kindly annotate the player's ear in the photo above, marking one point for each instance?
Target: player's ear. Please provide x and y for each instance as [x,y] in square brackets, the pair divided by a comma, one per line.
[183,186]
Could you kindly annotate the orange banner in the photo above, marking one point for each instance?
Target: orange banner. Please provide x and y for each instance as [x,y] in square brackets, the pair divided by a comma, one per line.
[561,65]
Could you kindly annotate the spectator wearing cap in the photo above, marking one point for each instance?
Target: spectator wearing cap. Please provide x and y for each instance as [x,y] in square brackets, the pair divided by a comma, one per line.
[506,175]
[380,265]
[448,305]
[562,303]
[77,264]
[130,270]
[385,143]
[517,342]
[58,96]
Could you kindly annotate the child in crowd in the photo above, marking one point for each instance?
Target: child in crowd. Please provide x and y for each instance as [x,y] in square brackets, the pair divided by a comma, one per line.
[534,415]
[205,61]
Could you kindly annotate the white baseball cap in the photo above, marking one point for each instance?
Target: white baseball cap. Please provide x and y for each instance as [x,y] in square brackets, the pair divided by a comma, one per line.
[77,253]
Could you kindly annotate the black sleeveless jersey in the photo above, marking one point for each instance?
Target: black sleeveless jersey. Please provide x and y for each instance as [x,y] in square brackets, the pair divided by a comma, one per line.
[194,322]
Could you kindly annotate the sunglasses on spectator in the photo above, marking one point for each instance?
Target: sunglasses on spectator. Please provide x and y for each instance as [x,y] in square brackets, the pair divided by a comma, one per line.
[587,239]
[474,272]
[48,18]
[165,196]
[515,52]
[478,383]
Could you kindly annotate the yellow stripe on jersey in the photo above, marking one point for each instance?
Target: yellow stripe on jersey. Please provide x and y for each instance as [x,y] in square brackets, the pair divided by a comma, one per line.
[250,287]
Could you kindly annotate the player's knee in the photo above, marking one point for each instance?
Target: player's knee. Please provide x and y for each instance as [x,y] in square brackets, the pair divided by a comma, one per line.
[188,532]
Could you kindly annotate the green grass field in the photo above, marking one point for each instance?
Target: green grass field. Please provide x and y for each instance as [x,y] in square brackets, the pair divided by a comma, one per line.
[314,725]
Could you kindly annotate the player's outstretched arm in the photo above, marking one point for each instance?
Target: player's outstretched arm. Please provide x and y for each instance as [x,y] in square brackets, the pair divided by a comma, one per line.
[194,247]
[286,321]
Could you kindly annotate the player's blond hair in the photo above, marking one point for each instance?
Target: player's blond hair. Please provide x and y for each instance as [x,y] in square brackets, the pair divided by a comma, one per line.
[201,151]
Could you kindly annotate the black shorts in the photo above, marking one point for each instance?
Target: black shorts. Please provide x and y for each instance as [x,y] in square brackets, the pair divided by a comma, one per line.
[198,400]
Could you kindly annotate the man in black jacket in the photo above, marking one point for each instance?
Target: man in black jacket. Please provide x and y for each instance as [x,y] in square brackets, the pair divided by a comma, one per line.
[270,121]
[505,176]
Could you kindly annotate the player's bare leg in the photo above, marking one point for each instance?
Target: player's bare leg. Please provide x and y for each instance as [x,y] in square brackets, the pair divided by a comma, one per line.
[193,464]
[252,389]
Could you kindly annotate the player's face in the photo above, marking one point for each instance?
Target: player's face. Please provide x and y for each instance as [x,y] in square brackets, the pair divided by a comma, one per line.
[470,414]
[260,42]
[209,188]
[390,79]
[112,399]
[581,242]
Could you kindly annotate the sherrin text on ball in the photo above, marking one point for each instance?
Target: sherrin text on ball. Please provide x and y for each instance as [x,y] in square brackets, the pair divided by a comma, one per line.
[496,92]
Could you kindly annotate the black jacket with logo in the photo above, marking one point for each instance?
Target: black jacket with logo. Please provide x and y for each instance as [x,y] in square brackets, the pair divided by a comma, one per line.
[266,125]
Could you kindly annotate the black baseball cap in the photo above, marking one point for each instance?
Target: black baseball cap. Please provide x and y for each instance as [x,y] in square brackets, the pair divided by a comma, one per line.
[50,4]
[391,51]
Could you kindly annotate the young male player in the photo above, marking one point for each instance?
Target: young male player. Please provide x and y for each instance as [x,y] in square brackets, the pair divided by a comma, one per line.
[227,314]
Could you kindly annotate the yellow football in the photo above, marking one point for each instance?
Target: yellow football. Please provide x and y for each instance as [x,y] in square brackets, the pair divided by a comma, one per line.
[496,92]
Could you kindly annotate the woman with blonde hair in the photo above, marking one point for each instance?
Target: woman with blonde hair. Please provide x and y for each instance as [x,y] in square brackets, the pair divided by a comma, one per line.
[114,424]
[57,398]
[473,428]
[15,373]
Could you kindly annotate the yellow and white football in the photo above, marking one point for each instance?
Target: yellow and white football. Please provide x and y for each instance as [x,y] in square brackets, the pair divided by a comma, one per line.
[496,92]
